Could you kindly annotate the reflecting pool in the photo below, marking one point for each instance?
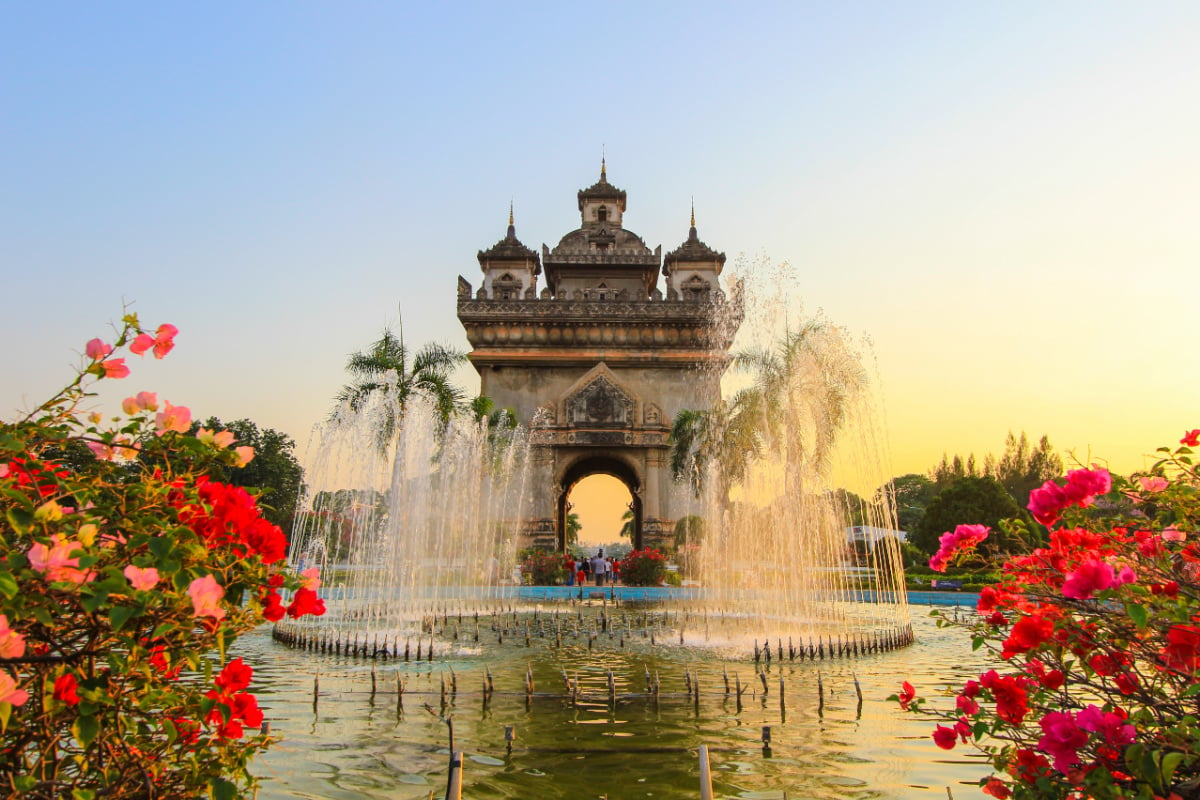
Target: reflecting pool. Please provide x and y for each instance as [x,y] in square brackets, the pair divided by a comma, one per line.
[609,717]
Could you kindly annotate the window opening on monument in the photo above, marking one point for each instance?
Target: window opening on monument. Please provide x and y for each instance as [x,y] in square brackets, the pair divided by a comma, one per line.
[602,214]
[602,506]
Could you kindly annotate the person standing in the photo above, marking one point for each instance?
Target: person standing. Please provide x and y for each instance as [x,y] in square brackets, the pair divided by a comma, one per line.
[598,567]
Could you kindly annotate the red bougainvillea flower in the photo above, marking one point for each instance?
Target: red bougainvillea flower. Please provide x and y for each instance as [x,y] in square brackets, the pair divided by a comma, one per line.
[64,689]
[1012,700]
[1183,648]
[1029,765]
[996,788]
[1191,438]
[235,677]
[162,341]
[233,520]
[907,693]
[306,601]
[1030,631]
[944,737]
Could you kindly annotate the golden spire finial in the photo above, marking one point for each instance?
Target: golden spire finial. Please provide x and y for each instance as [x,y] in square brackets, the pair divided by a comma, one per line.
[603,171]
[693,212]
[510,212]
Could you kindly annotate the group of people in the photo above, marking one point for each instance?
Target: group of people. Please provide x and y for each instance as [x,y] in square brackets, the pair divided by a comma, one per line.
[601,570]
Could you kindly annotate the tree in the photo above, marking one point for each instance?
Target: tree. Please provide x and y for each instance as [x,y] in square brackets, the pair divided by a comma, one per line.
[274,469]
[573,529]
[911,493]
[978,500]
[689,530]
[388,366]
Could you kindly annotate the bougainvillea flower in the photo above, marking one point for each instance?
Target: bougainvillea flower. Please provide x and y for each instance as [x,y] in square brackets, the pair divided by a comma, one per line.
[907,694]
[173,418]
[235,676]
[1183,648]
[1191,438]
[12,644]
[245,454]
[9,693]
[1029,632]
[1152,483]
[245,708]
[64,689]
[97,349]
[1083,485]
[1012,700]
[1173,535]
[115,368]
[55,561]
[206,596]
[311,578]
[944,737]
[162,341]
[218,439]
[141,579]
[1092,576]
[996,788]
[952,543]
[306,601]
[1114,727]
[1061,739]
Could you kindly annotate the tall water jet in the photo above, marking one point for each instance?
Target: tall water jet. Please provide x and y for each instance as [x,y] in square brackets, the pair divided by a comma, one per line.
[405,515]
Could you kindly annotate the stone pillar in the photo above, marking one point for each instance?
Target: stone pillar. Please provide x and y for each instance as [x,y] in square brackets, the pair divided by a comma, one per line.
[653,532]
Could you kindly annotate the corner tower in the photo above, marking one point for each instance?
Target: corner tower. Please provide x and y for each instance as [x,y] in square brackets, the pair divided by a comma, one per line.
[599,361]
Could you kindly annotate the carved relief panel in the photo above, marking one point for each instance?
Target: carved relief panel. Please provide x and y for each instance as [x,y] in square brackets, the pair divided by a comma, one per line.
[600,404]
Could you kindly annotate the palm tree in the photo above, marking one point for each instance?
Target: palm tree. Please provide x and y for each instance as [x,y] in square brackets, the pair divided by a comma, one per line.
[794,407]
[573,529]
[386,367]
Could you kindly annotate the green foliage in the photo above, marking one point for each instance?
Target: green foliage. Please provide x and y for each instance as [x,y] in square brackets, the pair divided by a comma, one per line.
[689,530]
[543,567]
[644,567]
[968,500]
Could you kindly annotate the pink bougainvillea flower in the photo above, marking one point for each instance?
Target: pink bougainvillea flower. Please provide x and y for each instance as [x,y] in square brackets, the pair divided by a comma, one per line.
[162,341]
[1152,483]
[115,368]
[1114,727]
[1083,485]
[129,406]
[12,644]
[962,539]
[173,418]
[9,693]
[1173,535]
[1094,576]
[245,455]
[55,561]
[312,580]
[142,579]
[147,401]
[206,596]
[1191,438]
[98,349]
[1061,739]
[218,439]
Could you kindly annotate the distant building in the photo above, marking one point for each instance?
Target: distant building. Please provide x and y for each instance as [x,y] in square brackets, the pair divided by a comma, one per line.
[870,536]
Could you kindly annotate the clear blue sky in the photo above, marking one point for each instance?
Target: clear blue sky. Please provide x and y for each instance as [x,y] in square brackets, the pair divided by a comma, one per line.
[1004,197]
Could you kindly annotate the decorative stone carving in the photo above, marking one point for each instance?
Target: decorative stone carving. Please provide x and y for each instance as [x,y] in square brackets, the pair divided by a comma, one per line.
[653,414]
[600,404]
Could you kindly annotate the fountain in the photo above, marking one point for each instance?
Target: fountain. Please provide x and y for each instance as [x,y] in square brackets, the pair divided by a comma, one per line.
[417,533]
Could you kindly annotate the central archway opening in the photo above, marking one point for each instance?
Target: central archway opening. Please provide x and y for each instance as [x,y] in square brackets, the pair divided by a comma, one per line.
[599,507]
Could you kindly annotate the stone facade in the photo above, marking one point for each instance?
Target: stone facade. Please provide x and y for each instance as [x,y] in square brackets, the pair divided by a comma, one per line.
[599,361]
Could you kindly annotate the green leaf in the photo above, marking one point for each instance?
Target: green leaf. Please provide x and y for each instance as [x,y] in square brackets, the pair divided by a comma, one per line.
[85,730]
[8,585]
[1138,614]
[119,615]
[19,519]
[221,789]
[83,794]
[5,713]
[1170,762]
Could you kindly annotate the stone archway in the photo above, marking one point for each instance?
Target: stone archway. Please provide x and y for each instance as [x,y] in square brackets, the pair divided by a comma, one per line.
[598,465]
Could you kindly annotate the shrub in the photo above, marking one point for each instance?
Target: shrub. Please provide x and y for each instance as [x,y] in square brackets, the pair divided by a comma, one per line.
[643,568]
[125,573]
[1096,693]
[544,567]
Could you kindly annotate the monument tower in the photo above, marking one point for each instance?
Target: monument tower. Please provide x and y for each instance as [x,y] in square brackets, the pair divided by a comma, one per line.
[600,359]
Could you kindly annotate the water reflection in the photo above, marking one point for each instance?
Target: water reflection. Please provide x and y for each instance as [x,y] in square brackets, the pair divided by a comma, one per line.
[625,743]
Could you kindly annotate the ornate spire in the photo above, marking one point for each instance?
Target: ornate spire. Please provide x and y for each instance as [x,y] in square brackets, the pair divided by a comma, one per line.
[512,229]
[603,170]
[692,237]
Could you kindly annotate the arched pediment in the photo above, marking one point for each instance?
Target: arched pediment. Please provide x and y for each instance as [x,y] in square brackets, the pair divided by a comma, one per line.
[599,400]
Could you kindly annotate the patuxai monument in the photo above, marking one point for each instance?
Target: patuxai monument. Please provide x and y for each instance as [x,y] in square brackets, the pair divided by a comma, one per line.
[599,358]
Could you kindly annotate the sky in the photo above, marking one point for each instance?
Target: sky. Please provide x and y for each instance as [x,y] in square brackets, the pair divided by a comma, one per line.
[1001,199]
